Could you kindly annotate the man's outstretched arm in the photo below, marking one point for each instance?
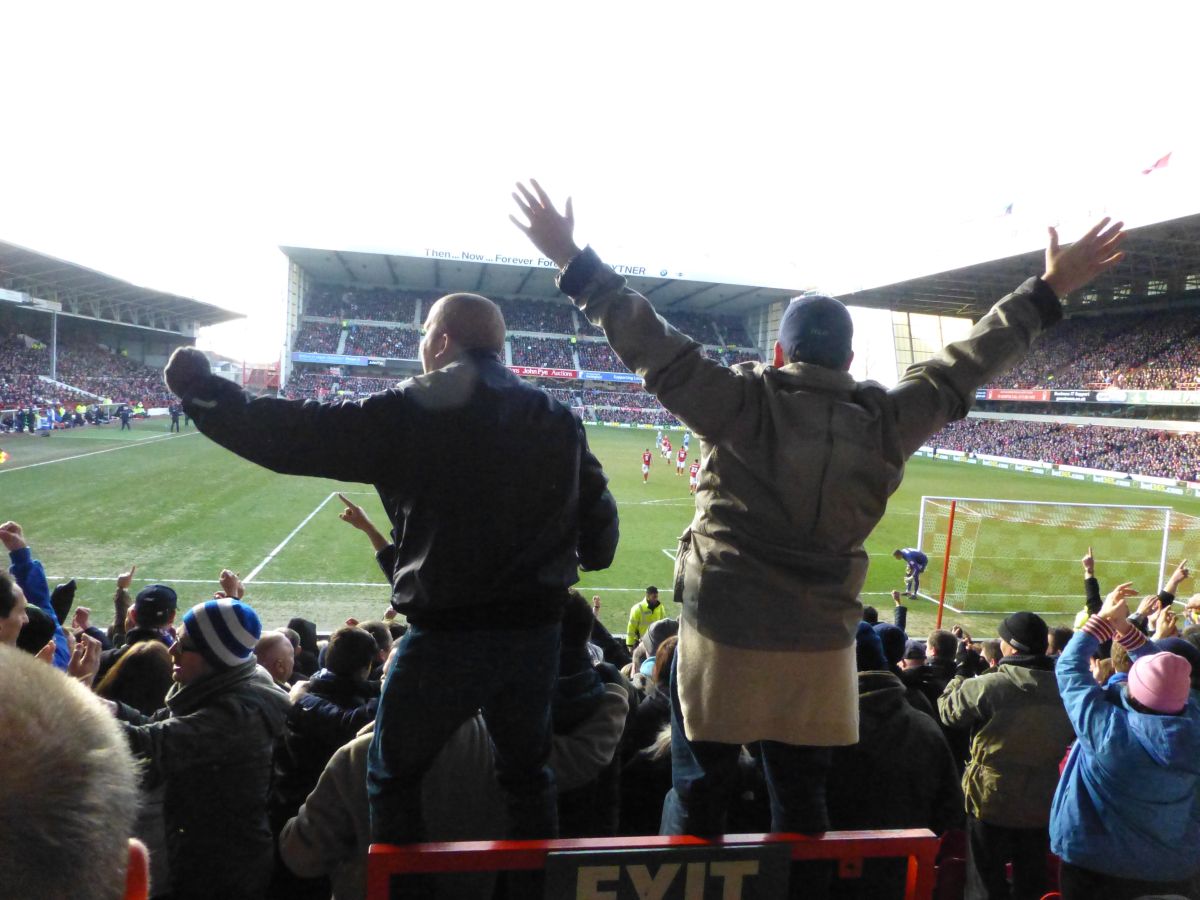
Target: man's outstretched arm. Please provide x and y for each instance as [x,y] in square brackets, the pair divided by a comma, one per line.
[942,389]
[703,393]
[354,441]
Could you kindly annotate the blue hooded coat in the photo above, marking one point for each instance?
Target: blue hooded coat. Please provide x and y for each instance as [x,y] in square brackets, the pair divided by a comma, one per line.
[1128,803]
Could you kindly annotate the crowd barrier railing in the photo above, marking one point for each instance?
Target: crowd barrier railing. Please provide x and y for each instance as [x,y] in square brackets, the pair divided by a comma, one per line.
[848,849]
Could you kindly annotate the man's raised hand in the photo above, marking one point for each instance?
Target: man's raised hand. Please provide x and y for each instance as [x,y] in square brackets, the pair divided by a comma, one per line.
[12,537]
[1114,609]
[186,371]
[1070,268]
[1180,575]
[231,584]
[353,514]
[552,233]
[125,579]
[1089,564]
[85,659]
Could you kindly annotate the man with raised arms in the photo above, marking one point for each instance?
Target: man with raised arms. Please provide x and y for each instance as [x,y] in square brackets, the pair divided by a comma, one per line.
[487,536]
[800,460]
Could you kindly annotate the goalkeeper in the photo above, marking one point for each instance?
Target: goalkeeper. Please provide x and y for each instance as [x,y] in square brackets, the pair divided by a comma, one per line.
[914,564]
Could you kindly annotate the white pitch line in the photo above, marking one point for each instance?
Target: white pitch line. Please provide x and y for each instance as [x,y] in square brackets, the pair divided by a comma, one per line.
[137,443]
[295,531]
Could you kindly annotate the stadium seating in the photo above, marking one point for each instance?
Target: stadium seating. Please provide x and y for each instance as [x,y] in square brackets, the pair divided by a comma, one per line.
[1138,451]
[539,351]
[85,373]
[380,304]
[1155,350]
[387,343]
[318,337]
[539,316]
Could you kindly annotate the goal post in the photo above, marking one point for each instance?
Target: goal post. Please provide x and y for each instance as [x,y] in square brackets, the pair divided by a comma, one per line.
[991,556]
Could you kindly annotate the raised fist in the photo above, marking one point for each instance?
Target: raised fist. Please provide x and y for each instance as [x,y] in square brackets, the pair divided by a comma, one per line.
[186,371]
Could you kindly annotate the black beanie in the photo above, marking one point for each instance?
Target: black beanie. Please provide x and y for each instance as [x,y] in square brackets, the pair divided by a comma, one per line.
[1027,632]
[37,631]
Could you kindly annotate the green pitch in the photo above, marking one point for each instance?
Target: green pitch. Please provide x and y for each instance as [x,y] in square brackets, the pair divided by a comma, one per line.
[95,501]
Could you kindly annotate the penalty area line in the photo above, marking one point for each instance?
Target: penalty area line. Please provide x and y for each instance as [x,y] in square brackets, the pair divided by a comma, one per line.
[295,531]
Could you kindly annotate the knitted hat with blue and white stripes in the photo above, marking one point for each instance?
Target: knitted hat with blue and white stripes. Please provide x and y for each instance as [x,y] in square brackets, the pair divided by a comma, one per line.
[224,631]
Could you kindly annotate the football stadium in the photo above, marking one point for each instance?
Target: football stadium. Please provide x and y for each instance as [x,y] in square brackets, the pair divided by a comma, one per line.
[360,550]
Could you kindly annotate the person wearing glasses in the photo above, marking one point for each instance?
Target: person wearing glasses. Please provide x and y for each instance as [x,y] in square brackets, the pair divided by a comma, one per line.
[211,749]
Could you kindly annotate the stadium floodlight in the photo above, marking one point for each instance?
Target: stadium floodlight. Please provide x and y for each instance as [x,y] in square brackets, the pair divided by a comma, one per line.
[991,556]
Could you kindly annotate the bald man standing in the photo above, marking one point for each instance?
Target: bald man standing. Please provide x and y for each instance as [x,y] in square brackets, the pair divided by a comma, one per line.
[488,533]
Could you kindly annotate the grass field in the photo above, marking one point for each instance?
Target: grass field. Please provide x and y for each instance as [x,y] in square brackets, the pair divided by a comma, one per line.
[95,501]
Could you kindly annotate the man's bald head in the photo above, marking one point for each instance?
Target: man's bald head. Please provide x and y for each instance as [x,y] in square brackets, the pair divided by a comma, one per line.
[276,654]
[457,323]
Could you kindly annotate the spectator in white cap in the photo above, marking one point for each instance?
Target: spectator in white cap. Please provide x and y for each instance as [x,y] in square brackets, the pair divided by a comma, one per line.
[211,749]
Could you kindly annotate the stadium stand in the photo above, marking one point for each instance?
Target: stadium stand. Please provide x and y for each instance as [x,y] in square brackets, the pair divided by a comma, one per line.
[538,316]
[541,351]
[318,337]
[321,386]
[1136,451]
[384,342]
[696,326]
[599,356]
[1149,350]
[380,304]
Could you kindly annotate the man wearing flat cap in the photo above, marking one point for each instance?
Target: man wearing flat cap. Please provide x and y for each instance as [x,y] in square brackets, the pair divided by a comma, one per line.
[797,461]
[1020,731]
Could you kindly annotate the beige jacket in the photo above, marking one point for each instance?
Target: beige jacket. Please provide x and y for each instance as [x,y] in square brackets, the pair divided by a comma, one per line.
[796,467]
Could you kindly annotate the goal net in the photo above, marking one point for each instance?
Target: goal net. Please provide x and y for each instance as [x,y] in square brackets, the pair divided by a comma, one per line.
[999,556]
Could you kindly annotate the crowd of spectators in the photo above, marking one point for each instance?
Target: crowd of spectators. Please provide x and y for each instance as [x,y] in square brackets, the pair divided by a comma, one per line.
[318,337]
[322,386]
[1134,451]
[84,371]
[551,353]
[381,304]
[538,315]
[1145,351]
[252,743]
[381,341]
[733,357]
[697,326]
[598,356]
[734,331]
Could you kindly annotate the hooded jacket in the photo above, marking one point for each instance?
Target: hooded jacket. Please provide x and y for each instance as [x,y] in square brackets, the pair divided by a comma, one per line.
[211,749]
[1128,803]
[796,466]
[1020,732]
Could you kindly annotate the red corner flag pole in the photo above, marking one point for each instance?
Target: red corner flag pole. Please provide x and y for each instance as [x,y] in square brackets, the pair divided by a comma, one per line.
[946,564]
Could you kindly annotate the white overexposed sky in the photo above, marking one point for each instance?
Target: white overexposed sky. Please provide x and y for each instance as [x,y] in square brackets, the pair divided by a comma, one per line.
[834,145]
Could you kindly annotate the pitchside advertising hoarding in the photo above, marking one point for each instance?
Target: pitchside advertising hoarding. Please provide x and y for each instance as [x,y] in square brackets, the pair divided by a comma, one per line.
[1079,395]
[335,359]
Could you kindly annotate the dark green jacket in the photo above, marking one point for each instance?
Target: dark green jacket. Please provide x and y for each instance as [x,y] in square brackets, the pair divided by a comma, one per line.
[211,749]
[1020,734]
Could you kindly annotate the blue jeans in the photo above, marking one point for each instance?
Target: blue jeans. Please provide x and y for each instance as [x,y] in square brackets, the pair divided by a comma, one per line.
[704,775]
[441,679]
